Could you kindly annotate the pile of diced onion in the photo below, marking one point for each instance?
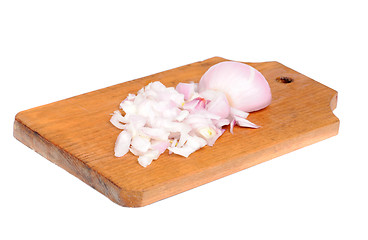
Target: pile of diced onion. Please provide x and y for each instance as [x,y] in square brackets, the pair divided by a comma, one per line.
[180,120]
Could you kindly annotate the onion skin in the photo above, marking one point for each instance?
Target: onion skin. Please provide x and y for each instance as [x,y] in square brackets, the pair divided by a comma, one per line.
[245,88]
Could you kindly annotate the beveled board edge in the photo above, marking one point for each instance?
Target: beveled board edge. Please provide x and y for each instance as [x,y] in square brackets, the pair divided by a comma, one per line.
[65,160]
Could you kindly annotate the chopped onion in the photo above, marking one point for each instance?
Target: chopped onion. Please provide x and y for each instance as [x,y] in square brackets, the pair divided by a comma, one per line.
[195,104]
[117,120]
[217,104]
[160,146]
[182,115]
[147,158]
[242,122]
[122,144]
[183,119]
[140,143]
[155,133]
[193,144]
[187,89]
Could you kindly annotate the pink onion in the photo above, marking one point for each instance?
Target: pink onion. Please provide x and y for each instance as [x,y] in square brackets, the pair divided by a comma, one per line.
[181,120]
[217,103]
[187,89]
[122,144]
[246,88]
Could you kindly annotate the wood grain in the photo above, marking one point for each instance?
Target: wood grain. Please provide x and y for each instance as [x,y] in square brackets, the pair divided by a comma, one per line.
[76,134]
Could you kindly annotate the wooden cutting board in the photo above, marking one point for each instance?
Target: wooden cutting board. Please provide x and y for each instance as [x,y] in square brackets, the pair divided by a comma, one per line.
[76,134]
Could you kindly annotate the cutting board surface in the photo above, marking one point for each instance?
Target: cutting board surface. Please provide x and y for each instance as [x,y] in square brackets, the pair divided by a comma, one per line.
[76,134]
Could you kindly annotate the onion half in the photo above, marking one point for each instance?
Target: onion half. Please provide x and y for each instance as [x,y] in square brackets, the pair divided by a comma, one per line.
[245,88]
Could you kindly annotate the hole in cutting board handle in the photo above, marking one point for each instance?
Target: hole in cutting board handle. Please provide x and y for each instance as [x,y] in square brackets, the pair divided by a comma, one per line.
[284,79]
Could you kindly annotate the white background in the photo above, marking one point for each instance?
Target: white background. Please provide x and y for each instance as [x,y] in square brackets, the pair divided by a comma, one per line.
[51,50]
